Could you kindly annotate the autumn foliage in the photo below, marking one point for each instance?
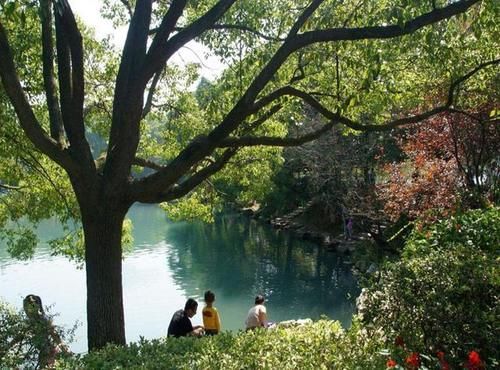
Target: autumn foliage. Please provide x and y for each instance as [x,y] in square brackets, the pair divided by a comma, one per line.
[450,162]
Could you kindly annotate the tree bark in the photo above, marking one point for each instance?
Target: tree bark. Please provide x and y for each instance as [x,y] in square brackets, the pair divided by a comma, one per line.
[103,257]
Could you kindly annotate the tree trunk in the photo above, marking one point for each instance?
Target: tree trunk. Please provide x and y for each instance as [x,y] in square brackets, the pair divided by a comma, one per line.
[103,257]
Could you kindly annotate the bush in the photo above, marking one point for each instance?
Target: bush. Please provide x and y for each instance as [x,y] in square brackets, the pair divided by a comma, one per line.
[21,340]
[443,294]
[12,325]
[321,345]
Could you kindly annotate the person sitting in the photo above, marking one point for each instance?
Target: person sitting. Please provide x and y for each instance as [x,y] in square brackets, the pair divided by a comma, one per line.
[257,315]
[211,319]
[180,325]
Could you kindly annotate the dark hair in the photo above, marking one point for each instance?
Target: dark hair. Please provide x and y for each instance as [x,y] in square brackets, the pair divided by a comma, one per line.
[209,296]
[190,304]
[259,299]
[33,301]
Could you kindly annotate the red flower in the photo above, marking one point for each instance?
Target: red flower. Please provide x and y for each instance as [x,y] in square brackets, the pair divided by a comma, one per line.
[474,361]
[442,362]
[391,363]
[413,360]
[444,365]
[399,341]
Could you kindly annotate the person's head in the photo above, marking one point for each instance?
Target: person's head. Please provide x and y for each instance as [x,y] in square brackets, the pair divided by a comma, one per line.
[190,307]
[209,297]
[32,305]
[259,299]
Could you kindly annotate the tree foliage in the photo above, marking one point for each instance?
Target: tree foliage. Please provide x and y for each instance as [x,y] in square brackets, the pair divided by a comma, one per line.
[363,65]
[21,340]
[450,163]
[441,296]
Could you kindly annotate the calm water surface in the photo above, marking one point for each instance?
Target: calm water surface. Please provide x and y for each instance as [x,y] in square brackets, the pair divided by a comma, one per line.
[235,257]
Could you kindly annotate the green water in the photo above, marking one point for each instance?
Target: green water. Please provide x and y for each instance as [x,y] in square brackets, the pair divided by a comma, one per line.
[235,257]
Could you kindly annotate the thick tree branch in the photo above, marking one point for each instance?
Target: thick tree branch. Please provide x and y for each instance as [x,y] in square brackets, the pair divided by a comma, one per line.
[304,16]
[275,141]
[161,49]
[56,124]
[64,75]
[337,118]
[242,27]
[177,191]
[167,26]
[27,119]
[382,32]
[199,149]
[151,92]
[71,76]
[141,162]
[128,98]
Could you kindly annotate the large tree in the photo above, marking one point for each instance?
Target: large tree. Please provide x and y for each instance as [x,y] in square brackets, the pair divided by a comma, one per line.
[362,64]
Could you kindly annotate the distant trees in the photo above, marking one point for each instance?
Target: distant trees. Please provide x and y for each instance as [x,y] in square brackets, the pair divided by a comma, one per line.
[338,173]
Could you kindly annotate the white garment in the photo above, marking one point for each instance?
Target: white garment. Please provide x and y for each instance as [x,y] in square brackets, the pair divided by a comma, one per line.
[252,320]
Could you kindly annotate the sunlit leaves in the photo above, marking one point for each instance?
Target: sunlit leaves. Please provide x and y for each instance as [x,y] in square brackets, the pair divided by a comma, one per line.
[199,205]
[20,242]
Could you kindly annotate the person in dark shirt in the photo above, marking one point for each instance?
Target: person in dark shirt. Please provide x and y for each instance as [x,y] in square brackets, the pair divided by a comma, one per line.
[180,325]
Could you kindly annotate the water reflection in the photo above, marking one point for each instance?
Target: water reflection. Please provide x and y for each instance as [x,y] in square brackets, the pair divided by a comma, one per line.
[235,257]
[238,258]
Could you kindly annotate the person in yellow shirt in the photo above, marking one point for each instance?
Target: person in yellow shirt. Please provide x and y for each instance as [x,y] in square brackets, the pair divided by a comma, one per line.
[211,319]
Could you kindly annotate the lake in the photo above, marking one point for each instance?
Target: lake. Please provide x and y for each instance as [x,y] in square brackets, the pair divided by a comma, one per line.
[235,257]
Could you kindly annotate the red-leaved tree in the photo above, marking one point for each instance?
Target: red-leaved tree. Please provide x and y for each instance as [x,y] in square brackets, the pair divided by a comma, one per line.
[451,161]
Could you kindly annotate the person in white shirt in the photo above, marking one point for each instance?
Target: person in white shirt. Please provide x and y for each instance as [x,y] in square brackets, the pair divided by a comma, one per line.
[257,315]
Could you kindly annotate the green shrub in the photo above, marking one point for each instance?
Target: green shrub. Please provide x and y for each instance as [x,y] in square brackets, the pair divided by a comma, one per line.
[12,325]
[321,345]
[443,294]
[21,340]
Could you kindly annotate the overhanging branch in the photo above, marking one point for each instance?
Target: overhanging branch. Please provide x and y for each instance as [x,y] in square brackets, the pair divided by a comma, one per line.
[382,32]
[245,106]
[245,141]
[177,191]
[335,118]
[141,162]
